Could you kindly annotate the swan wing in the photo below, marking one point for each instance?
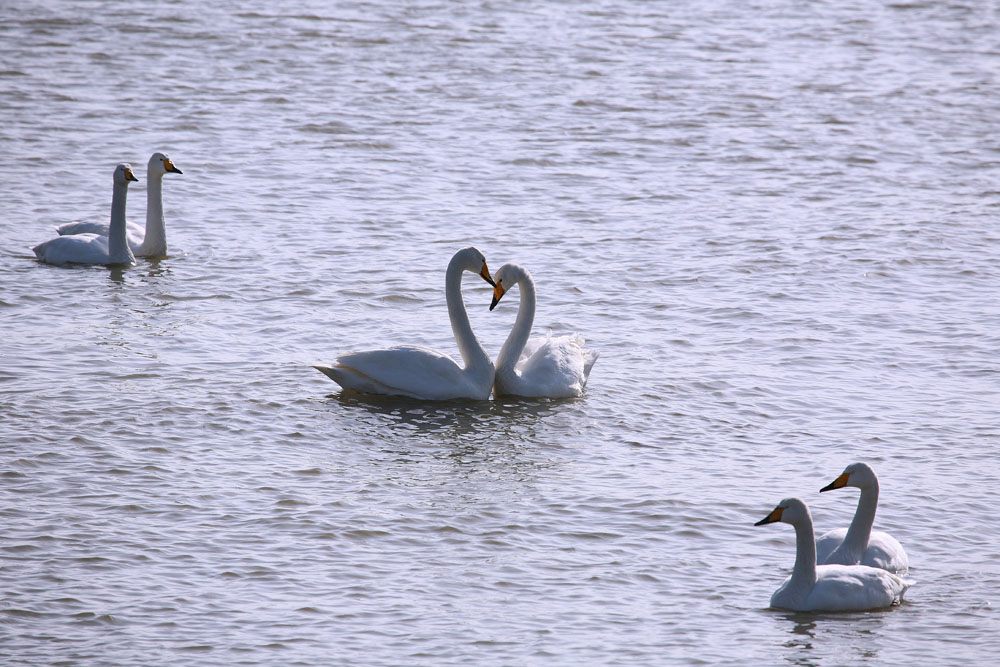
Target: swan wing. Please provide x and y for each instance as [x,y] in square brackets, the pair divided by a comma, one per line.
[133,232]
[885,552]
[558,367]
[854,588]
[531,347]
[76,249]
[827,543]
[405,370]
[70,228]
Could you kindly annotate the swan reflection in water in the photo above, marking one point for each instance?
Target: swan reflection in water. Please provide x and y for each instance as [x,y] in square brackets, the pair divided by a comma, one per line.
[151,269]
[116,274]
[490,448]
[803,633]
[811,631]
[467,420]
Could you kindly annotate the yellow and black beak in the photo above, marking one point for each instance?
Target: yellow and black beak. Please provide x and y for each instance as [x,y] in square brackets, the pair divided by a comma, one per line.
[498,292]
[169,166]
[775,515]
[838,483]
[129,176]
[484,273]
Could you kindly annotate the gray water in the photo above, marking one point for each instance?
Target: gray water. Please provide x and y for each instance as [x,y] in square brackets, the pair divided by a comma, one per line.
[777,221]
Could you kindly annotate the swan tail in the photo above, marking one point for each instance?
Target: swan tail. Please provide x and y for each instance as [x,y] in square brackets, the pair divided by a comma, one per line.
[343,376]
[327,371]
[351,379]
[589,356]
[52,253]
[588,362]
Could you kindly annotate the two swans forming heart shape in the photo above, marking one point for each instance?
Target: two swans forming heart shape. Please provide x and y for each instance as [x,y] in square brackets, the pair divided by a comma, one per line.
[552,367]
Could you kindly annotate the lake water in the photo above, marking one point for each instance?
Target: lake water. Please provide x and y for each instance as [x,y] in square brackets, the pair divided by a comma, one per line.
[776,220]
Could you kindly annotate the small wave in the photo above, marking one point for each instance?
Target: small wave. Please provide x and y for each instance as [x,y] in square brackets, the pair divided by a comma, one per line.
[333,127]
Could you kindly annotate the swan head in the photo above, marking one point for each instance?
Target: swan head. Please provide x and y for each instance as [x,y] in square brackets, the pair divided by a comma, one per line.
[472,260]
[161,162]
[123,174]
[789,510]
[505,278]
[859,475]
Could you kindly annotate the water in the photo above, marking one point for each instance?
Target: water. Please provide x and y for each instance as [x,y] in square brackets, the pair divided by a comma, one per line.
[775,220]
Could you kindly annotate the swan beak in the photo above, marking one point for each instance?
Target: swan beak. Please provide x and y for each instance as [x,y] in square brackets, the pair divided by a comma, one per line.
[498,292]
[129,176]
[484,273]
[837,483]
[775,515]
[169,166]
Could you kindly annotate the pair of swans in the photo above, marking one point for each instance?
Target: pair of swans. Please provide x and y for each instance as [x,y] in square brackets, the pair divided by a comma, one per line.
[554,367]
[80,246]
[847,569]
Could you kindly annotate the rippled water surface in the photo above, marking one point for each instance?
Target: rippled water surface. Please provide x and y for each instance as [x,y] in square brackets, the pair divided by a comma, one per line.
[777,221]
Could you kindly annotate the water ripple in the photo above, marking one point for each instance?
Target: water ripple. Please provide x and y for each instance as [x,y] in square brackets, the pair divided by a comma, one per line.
[776,223]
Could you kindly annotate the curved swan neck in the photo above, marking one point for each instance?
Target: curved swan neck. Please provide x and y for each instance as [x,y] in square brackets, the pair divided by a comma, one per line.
[804,571]
[118,249]
[155,240]
[472,351]
[518,336]
[856,540]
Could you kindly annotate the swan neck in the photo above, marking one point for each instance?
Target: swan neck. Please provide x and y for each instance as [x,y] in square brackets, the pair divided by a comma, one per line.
[518,336]
[804,571]
[472,351]
[856,540]
[155,240]
[117,242]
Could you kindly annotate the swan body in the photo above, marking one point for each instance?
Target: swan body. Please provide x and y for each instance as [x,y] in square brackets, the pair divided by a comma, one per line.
[859,544]
[420,372]
[813,587]
[551,367]
[94,248]
[148,242]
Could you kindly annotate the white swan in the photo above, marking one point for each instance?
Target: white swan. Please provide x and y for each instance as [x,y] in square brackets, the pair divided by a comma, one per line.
[813,587]
[859,544]
[151,242]
[420,372]
[94,248]
[552,367]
